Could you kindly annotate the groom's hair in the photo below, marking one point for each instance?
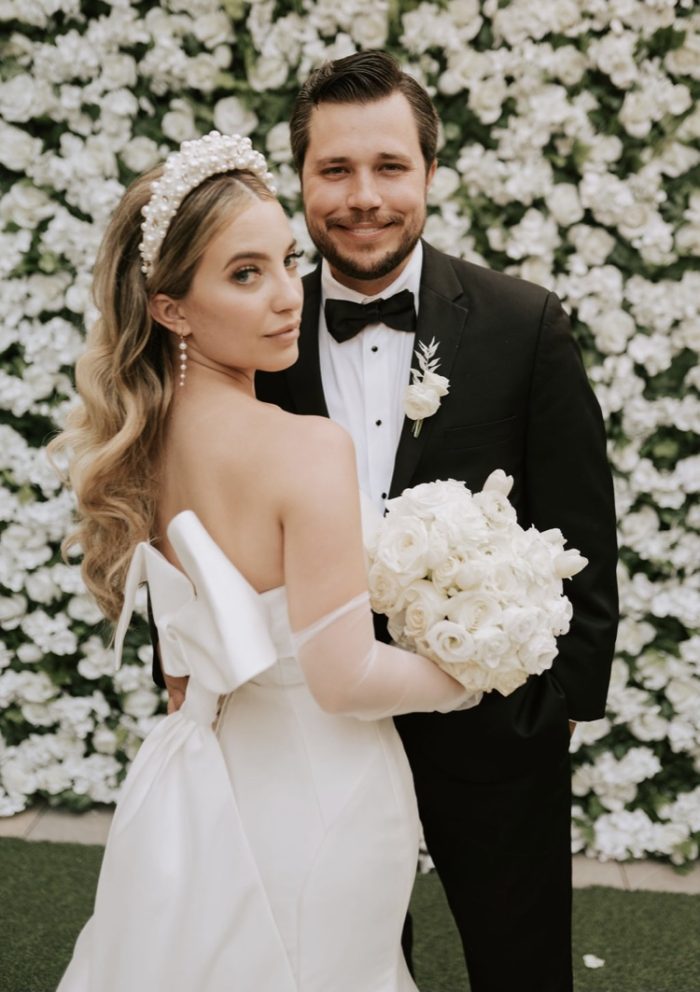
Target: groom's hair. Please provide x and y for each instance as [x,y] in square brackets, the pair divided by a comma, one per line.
[362,78]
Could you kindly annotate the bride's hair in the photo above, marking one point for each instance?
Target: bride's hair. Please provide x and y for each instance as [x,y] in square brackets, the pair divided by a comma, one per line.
[126,375]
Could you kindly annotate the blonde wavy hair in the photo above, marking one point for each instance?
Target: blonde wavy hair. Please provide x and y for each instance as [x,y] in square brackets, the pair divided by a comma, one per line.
[125,377]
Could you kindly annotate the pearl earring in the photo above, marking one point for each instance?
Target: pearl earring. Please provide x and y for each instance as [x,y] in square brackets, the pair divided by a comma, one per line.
[183,359]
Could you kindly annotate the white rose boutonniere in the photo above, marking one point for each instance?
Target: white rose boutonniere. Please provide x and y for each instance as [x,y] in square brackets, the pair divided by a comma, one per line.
[422,397]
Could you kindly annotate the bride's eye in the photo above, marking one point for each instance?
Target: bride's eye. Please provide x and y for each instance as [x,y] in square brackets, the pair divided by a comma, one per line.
[292,259]
[245,275]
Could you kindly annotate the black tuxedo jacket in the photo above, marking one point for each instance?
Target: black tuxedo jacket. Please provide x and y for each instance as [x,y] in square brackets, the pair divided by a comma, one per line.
[519,400]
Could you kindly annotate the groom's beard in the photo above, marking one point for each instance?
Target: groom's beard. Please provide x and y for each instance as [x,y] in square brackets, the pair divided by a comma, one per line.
[366,262]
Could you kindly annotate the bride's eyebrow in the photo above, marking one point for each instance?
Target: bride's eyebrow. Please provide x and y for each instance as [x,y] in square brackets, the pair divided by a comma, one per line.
[247,256]
[257,256]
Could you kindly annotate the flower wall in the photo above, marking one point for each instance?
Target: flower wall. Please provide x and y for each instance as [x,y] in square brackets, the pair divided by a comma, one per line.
[569,157]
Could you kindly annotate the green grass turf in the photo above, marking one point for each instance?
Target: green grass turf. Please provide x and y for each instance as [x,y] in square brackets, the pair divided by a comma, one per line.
[46,894]
[650,941]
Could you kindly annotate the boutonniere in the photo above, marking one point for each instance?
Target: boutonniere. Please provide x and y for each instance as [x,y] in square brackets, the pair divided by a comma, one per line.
[422,397]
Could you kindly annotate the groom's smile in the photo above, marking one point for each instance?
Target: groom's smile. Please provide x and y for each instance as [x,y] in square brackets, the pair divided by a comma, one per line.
[363,231]
[364,184]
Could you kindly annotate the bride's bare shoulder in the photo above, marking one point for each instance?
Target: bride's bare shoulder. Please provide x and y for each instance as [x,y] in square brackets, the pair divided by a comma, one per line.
[264,444]
[307,440]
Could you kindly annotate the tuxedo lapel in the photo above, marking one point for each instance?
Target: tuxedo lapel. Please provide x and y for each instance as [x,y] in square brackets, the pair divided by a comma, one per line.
[304,377]
[442,316]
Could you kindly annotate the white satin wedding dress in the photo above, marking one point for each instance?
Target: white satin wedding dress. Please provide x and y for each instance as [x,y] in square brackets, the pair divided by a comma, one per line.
[271,849]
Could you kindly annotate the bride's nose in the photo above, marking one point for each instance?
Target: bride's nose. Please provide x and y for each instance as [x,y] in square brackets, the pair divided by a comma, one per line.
[289,293]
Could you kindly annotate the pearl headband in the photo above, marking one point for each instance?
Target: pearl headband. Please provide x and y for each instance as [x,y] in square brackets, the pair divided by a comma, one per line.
[183,172]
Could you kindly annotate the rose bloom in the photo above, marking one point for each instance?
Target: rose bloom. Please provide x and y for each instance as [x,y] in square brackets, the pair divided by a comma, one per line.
[420,401]
[450,642]
[496,508]
[23,98]
[12,609]
[428,497]
[213,28]
[491,645]
[564,204]
[439,383]
[612,330]
[140,154]
[17,779]
[593,244]
[232,117]
[519,622]
[472,575]
[424,606]
[140,702]
[538,653]
[278,144]
[405,550]
[268,73]
[445,182]
[104,740]
[17,148]
[486,99]
[25,206]
[473,610]
[385,588]
[370,29]
[444,573]
[178,123]
[685,61]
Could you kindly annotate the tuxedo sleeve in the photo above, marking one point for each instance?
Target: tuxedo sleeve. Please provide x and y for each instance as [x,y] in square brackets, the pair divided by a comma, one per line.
[568,484]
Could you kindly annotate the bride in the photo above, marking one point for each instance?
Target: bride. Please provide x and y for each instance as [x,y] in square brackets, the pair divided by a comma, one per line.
[267,834]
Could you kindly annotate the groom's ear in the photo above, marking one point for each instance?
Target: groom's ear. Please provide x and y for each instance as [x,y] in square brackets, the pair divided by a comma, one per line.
[169,313]
[430,174]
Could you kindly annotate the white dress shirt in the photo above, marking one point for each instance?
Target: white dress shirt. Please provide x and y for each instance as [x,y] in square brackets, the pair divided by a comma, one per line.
[364,379]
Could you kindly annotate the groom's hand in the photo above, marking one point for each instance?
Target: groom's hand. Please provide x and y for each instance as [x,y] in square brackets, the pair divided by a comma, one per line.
[177,687]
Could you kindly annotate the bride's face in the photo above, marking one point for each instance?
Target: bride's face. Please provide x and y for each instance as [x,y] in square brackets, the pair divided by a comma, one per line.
[243,308]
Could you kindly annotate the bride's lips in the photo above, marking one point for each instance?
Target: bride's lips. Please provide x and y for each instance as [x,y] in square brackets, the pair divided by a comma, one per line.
[289,333]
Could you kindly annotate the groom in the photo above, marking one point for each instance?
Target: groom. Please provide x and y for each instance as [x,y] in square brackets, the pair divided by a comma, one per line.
[493,782]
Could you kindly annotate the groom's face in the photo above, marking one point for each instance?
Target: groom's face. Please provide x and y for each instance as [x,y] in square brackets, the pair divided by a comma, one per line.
[364,184]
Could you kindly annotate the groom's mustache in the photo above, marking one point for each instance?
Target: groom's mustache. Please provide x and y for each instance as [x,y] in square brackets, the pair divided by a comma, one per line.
[357,218]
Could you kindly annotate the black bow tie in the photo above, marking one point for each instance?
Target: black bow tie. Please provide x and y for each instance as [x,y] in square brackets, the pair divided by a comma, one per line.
[346,319]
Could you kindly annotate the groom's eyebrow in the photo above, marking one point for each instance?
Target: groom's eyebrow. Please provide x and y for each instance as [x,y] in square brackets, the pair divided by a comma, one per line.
[342,159]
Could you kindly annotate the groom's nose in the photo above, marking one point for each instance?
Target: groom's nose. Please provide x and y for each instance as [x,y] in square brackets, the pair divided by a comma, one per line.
[363,192]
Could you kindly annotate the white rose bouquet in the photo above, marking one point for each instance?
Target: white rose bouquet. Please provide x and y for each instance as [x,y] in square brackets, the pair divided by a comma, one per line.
[463,584]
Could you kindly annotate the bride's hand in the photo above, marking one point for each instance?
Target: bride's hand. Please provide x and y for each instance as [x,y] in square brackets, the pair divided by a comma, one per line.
[177,687]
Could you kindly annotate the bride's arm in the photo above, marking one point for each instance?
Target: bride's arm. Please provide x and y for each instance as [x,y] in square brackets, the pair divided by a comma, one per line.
[347,670]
